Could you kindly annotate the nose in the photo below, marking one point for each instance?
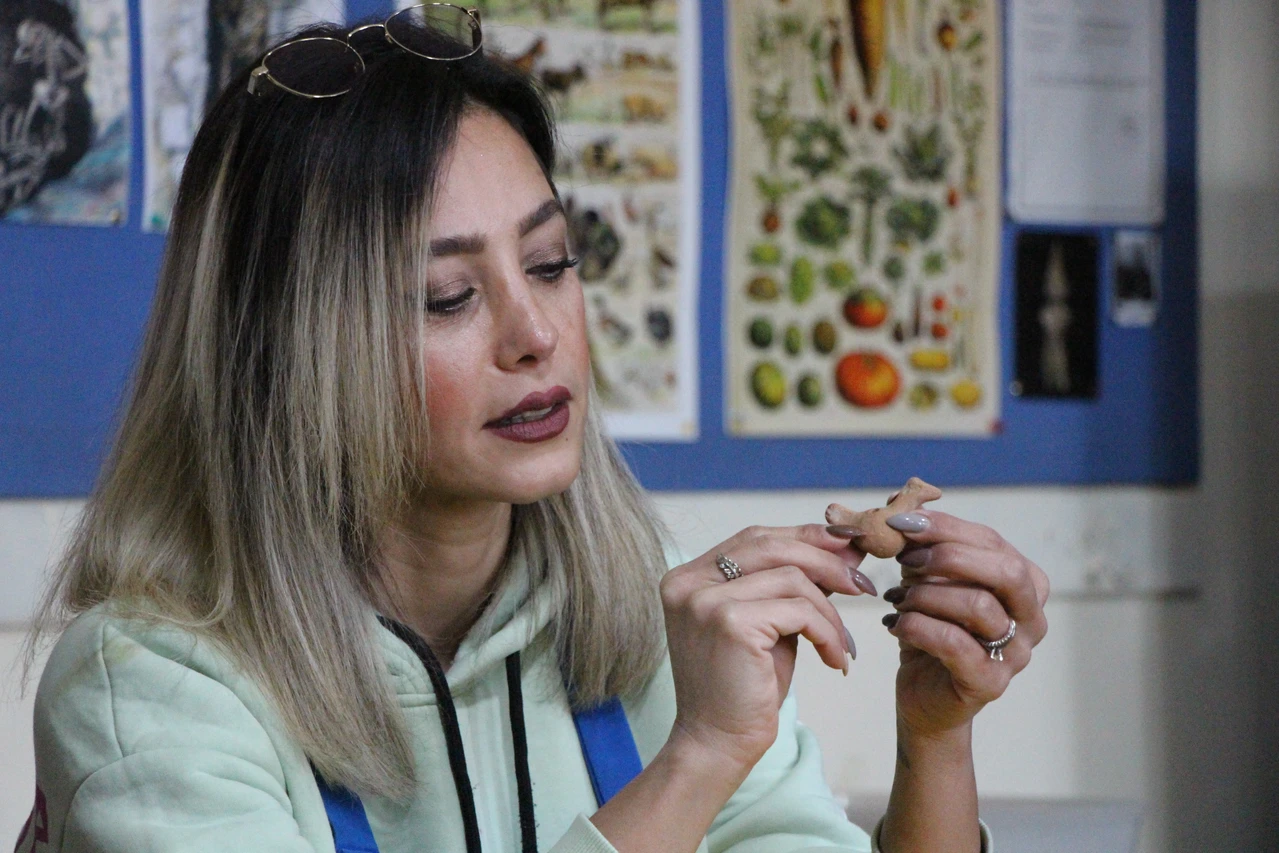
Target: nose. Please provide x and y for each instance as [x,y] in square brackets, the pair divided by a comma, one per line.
[527,331]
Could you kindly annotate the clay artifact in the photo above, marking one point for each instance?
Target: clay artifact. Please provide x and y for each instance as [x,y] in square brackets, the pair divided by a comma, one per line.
[875,536]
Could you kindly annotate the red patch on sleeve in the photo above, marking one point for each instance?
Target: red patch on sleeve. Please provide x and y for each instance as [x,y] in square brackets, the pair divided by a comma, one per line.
[37,820]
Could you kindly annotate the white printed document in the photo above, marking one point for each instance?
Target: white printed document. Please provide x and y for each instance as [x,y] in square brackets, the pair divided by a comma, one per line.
[1086,111]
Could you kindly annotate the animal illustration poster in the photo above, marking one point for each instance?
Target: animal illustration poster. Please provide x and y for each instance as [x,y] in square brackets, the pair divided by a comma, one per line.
[190,49]
[863,244]
[64,111]
[622,79]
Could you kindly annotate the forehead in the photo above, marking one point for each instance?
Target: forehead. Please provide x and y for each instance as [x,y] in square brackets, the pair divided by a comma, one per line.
[489,181]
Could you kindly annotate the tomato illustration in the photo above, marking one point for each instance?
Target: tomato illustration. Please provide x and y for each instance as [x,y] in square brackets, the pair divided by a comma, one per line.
[867,379]
[865,308]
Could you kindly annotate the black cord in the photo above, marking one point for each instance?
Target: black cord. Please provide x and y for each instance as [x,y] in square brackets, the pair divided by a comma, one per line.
[519,738]
[452,732]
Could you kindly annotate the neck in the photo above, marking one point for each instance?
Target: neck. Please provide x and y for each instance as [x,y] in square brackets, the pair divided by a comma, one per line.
[441,564]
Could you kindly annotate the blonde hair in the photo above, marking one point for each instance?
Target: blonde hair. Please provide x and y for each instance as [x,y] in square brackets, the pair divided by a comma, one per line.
[274,413]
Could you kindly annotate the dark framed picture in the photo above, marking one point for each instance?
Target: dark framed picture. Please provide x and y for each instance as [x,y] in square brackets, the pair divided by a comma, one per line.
[1056,350]
[1135,299]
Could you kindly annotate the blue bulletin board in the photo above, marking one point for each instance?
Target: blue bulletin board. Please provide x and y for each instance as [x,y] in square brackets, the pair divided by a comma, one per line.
[73,302]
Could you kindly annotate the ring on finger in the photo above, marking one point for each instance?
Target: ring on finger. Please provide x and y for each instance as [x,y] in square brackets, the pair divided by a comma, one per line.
[730,569]
[996,647]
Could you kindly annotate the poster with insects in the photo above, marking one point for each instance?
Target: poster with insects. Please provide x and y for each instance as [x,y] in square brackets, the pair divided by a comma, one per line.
[862,252]
[622,78]
[190,49]
[64,111]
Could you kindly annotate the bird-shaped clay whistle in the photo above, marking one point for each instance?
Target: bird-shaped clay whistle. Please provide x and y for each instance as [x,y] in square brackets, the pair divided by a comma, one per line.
[875,536]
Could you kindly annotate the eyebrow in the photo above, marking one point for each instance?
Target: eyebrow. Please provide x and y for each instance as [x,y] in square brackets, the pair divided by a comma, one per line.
[470,244]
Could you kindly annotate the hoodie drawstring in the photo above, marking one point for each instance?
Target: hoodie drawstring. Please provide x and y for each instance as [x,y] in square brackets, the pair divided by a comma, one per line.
[523,781]
[453,740]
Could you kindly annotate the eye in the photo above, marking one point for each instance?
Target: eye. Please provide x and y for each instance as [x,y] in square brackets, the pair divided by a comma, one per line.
[552,271]
[449,304]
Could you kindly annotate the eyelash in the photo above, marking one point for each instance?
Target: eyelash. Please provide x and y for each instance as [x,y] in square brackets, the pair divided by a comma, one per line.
[555,270]
[451,304]
[549,273]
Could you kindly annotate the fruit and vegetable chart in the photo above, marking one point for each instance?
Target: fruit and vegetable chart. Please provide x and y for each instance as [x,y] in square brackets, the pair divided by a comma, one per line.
[615,72]
[862,248]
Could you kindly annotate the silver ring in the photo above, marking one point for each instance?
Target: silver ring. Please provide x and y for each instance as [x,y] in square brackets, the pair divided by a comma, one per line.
[996,647]
[731,570]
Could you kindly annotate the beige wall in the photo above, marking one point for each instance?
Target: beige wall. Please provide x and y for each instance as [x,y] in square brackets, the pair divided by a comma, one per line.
[1169,701]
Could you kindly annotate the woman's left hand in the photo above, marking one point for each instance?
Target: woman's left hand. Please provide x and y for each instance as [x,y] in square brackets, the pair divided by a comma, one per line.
[961,583]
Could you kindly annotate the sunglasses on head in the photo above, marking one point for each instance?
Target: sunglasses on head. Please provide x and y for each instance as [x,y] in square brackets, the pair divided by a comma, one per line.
[328,66]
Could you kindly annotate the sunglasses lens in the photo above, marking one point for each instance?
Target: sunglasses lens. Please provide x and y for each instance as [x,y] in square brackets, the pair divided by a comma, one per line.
[315,67]
[435,31]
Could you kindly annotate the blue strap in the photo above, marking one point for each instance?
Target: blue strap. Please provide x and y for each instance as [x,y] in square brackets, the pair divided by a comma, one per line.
[609,748]
[351,830]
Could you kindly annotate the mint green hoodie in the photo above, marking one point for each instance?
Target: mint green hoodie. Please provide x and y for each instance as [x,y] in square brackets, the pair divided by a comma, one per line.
[149,739]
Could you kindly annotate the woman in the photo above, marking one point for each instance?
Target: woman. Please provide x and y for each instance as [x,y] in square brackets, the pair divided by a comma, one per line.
[362,557]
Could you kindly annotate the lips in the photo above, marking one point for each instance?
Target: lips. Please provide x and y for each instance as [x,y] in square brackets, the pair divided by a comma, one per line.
[540,416]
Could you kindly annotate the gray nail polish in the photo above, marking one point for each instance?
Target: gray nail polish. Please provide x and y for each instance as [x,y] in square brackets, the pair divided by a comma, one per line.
[908,522]
[852,647]
[915,557]
[862,582]
[843,531]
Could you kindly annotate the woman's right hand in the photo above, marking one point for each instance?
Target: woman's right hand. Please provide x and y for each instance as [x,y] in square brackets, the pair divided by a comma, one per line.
[733,643]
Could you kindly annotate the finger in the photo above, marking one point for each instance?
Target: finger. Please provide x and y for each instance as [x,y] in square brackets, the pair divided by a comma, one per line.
[914,556]
[975,675]
[1006,575]
[772,620]
[788,582]
[1040,578]
[973,608]
[828,570]
[811,534]
[928,527]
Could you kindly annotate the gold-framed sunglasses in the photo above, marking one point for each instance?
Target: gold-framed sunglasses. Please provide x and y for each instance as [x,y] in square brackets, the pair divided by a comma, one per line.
[327,66]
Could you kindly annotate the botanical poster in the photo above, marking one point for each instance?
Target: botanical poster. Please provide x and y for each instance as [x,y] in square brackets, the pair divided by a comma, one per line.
[190,49]
[64,111]
[618,76]
[862,252]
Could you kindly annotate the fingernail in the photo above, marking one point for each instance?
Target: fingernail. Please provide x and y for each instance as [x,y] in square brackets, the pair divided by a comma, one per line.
[908,522]
[896,595]
[852,647]
[890,621]
[843,531]
[915,557]
[862,582]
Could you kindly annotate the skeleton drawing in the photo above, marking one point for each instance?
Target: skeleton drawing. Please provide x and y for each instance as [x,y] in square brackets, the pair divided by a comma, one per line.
[46,122]
[1054,320]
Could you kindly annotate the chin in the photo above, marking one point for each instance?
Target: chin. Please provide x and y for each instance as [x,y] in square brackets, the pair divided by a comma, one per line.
[545,483]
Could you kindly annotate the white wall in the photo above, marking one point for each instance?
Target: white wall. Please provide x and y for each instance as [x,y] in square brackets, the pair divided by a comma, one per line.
[1168,700]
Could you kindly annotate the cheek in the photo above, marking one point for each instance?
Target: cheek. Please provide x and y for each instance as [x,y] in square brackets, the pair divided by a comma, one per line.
[447,397]
[573,333]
